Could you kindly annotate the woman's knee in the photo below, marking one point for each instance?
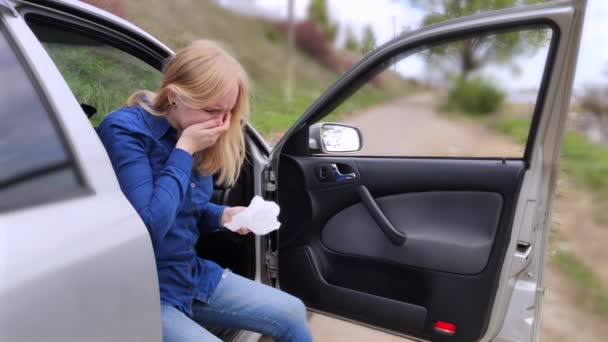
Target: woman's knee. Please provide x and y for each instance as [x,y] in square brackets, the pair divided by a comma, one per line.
[289,308]
[293,316]
[295,308]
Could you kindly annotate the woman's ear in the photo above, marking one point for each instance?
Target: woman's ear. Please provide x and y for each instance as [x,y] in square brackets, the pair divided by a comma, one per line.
[172,96]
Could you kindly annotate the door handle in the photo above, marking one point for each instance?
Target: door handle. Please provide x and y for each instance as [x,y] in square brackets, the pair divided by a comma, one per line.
[333,173]
[341,177]
[395,236]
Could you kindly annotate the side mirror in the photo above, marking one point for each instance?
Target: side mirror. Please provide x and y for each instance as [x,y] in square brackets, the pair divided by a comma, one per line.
[332,137]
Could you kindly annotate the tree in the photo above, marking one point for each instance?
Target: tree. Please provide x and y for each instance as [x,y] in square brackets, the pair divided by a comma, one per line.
[319,13]
[351,42]
[291,46]
[471,54]
[368,42]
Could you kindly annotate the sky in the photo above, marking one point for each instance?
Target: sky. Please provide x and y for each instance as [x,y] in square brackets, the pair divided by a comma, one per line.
[389,16]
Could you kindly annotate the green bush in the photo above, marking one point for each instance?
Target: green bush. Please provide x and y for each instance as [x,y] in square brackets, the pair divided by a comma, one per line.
[474,96]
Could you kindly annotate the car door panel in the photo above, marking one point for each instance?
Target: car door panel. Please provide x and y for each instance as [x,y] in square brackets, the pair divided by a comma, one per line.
[305,270]
[462,224]
[455,226]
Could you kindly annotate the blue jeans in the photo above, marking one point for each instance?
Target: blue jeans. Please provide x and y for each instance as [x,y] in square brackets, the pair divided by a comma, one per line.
[239,303]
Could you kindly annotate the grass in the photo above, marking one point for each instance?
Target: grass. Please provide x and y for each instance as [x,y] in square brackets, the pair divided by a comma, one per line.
[592,292]
[97,76]
[272,114]
[249,40]
[587,162]
[262,52]
[515,127]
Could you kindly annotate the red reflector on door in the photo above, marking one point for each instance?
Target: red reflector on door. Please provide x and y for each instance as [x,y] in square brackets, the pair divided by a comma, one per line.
[445,327]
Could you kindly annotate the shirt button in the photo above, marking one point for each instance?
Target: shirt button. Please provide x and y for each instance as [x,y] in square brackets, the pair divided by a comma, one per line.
[193,185]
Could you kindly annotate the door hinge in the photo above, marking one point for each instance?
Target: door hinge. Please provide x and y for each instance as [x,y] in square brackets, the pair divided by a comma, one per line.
[8,7]
[272,265]
[269,180]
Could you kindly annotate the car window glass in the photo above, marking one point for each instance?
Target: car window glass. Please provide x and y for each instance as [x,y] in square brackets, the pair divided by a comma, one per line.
[31,148]
[99,74]
[472,97]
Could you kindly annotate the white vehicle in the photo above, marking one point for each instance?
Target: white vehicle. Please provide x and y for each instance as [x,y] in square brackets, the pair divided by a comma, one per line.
[438,249]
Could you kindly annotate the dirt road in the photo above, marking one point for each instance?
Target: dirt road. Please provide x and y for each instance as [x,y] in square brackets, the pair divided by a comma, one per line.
[412,126]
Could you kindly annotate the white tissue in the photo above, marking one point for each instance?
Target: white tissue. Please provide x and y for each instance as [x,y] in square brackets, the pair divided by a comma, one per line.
[260,217]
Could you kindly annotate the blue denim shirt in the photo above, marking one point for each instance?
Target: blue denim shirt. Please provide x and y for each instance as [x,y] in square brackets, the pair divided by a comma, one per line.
[171,197]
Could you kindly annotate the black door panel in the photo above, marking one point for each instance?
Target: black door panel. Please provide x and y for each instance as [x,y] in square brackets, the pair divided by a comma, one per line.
[336,258]
[460,224]
[304,268]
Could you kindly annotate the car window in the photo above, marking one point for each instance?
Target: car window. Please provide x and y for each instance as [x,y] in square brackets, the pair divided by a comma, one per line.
[452,98]
[35,165]
[99,74]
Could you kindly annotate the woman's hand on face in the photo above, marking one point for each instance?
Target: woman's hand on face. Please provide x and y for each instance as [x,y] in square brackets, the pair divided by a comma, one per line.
[227,217]
[198,137]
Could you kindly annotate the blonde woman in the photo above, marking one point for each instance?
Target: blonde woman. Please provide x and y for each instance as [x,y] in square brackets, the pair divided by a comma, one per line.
[164,147]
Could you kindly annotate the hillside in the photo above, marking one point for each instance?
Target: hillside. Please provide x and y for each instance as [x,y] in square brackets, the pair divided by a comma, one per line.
[257,45]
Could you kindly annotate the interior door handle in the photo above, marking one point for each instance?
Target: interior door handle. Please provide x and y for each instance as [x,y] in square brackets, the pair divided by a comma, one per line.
[341,177]
[333,173]
[395,236]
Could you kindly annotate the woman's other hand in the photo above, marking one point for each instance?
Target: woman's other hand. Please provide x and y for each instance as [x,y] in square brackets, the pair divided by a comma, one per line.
[227,217]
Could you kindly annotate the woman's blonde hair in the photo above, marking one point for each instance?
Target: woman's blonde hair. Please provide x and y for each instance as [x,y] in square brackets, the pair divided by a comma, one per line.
[201,74]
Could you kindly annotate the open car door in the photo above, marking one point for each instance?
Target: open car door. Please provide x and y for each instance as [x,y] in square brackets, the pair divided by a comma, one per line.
[430,247]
